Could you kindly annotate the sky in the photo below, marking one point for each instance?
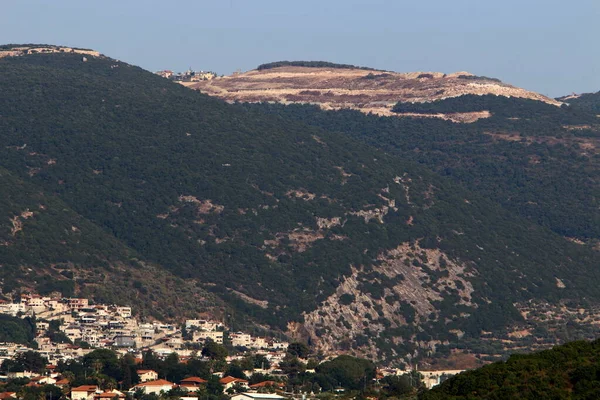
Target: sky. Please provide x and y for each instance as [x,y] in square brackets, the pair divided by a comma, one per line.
[548,46]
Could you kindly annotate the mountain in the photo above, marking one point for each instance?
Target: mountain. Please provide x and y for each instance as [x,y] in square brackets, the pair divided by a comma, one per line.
[535,156]
[569,371]
[300,228]
[335,86]
[46,247]
[587,101]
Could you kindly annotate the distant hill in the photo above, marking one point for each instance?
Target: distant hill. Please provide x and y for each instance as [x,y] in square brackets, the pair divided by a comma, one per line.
[309,64]
[589,102]
[569,371]
[338,86]
[193,202]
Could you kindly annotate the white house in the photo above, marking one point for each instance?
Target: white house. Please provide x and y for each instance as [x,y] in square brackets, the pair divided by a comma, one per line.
[215,336]
[230,381]
[192,383]
[147,375]
[124,312]
[156,386]
[84,392]
[241,339]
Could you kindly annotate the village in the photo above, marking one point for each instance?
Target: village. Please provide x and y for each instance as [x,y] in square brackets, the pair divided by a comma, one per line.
[187,76]
[112,326]
[67,330]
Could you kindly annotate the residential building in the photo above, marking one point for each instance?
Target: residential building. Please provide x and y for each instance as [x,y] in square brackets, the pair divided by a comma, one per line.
[109,395]
[215,336]
[124,341]
[241,339]
[84,392]
[192,383]
[77,304]
[147,375]
[156,386]
[230,381]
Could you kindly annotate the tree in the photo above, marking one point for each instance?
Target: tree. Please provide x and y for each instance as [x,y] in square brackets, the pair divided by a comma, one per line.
[350,372]
[397,385]
[26,361]
[151,361]
[312,363]
[298,349]
[214,351]
[261,362]
[103,361]
[292,366]
[129,368]
[235,370]
[213,386]
[257,377]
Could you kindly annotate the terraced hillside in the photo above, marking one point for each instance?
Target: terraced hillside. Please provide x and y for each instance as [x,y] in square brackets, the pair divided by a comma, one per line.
[334,87]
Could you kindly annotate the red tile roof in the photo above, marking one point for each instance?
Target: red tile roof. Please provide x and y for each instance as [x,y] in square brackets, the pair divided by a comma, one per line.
[266,383]
[85,388]
[193,379]
[229,379]
[109,395]
[158,382]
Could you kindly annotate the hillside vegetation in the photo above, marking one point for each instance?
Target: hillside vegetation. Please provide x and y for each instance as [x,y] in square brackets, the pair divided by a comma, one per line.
[301,228]
[537,160]
[17,330]
[589,102]
[569,371]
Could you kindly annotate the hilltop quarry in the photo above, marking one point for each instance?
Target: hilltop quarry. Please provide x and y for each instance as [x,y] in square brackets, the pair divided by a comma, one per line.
[335,87]
[22,50]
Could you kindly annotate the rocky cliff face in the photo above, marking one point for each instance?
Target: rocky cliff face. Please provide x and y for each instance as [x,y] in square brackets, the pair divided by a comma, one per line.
[402,291]
[368,91]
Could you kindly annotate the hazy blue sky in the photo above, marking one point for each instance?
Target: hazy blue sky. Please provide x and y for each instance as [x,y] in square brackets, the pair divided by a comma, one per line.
[545,45]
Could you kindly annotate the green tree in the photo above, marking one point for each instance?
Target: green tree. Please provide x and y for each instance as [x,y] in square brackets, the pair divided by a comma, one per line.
[350,372]
[298,349]
[214,351]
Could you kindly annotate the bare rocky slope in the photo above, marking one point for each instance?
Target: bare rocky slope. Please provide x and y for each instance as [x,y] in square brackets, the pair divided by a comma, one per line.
[353,88]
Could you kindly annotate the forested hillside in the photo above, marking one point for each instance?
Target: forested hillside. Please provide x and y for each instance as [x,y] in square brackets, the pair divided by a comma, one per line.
[301,228]
[569,371]
[537,160]
[48,248]
[589,102]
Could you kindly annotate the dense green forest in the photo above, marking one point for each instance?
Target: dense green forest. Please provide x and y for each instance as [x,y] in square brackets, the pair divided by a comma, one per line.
[47,247]
[587,102]
[569,371]
[501,107]
[231,199]
[17,330]
[532,165]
